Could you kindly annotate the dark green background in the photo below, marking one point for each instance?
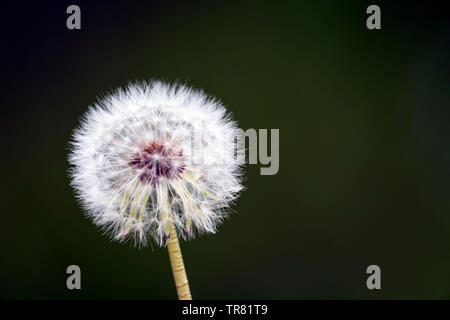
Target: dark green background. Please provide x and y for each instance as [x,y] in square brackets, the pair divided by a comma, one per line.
[364,146]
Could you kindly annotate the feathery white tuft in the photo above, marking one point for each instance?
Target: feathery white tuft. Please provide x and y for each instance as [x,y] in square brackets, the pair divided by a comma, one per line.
[154,154]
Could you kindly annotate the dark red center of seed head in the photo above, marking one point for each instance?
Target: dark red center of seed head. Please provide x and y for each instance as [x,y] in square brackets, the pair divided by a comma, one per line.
[157,160]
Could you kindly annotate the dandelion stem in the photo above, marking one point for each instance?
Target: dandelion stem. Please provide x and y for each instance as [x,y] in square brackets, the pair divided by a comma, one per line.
[176,261]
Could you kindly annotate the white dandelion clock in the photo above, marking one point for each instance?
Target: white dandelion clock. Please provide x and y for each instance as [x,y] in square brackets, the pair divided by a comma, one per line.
[155,161]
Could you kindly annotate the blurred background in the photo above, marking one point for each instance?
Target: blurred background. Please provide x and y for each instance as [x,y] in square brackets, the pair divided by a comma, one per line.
[364,146]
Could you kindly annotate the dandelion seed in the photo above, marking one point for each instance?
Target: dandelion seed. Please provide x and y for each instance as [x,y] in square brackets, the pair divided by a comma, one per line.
[135,169]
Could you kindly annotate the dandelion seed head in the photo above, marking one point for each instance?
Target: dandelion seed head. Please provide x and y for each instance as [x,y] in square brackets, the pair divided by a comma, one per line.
[152,154]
